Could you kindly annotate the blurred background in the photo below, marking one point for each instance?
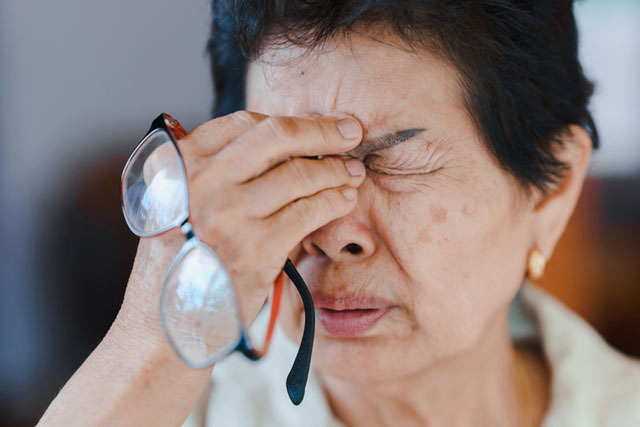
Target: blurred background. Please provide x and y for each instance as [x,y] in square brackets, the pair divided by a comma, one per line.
[80,82]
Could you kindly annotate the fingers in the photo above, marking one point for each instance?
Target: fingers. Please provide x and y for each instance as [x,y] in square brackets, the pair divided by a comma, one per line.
[278,138]
[255,189]
[210,137]
[296,178]
[305,215]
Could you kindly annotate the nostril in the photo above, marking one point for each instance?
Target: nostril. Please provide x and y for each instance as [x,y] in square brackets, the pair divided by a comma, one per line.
[353,248]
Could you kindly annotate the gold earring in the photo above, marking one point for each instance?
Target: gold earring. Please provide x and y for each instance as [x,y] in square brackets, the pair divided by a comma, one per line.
[536,263]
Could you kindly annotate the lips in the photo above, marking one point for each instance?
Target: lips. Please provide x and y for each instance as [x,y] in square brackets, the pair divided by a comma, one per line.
[349,315]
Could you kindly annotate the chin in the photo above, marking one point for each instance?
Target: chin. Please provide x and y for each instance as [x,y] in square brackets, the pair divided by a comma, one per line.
[368,360]
[355,360]
[381,353]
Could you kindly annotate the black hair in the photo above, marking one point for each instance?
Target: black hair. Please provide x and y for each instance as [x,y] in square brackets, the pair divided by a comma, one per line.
[521,78]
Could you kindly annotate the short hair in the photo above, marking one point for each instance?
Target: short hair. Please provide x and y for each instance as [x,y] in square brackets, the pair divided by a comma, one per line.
[522,81]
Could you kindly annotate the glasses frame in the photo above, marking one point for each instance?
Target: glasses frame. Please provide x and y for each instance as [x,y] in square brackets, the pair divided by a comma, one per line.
[298,375]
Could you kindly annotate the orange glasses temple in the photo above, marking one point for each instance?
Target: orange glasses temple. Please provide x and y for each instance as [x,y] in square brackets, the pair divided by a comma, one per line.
[275,308]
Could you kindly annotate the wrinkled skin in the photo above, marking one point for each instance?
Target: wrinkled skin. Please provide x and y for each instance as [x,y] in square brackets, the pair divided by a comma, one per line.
[444,235]
[444,232]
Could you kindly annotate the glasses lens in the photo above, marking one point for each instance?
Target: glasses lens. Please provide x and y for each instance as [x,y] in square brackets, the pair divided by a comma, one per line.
[198,306]
[154,186]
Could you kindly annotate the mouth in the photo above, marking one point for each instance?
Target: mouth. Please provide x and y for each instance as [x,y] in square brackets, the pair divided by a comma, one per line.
[349,316]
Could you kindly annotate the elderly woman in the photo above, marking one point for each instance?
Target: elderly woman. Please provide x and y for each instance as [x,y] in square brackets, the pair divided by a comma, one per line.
[417,161]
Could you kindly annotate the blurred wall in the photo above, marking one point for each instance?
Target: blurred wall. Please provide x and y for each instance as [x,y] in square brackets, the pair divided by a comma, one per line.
[80,82]
[610,54]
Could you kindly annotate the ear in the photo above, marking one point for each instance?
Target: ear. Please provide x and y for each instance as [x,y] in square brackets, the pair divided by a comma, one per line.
[552,213]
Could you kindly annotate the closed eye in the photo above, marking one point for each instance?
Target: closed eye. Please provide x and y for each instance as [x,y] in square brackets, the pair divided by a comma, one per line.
[376,165]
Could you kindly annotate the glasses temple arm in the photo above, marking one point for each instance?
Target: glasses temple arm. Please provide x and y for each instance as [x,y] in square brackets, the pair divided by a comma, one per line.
[297,378]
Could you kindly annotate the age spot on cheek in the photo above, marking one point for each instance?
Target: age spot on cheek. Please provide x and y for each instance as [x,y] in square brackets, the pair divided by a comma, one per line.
[423,237]
[438,214]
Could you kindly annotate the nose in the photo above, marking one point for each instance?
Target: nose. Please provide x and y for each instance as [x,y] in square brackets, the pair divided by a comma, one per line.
[344,239]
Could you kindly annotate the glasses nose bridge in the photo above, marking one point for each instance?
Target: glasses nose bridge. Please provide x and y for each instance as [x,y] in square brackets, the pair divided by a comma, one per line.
[187,229]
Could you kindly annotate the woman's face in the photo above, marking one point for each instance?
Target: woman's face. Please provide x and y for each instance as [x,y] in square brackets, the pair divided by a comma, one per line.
[437,243]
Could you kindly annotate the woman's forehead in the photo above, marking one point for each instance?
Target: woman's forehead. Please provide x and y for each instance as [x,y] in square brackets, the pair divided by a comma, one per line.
[378,82]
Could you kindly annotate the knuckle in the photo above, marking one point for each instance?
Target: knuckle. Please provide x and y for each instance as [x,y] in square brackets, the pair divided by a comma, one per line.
[240,119]
[213,133]
[283,127]
[212,220]
[333,201]
[338,170]
[324,206]
[245,117]
[325,128]
[305,211]
[320,129]
[299,172]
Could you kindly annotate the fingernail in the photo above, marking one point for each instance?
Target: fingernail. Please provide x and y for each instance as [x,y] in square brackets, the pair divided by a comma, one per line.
[349,128]
[350,193]
[355,167]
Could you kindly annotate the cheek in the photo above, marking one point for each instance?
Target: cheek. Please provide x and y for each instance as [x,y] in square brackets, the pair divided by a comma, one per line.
[291,315]
[462,248]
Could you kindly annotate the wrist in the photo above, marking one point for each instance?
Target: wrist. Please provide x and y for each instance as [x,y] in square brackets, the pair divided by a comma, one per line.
[131,334]
[138,321]
[131,378]
[146,350]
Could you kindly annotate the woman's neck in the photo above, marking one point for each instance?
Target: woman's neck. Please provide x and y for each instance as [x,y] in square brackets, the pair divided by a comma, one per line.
[483,386]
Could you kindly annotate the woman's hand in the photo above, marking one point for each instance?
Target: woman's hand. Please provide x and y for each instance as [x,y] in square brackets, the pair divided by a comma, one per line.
[254,194]
[250,204]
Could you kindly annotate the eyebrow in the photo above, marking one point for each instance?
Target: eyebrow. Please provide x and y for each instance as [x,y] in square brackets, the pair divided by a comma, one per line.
[385,141]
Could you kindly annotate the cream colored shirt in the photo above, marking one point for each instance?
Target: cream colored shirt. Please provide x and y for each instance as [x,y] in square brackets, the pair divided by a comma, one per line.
[592,384]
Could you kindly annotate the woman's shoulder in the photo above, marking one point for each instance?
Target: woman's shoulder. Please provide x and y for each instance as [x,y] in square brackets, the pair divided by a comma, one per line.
[592,384]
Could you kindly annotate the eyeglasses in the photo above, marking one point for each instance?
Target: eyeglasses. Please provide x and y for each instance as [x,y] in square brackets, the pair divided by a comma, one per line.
[201,312]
